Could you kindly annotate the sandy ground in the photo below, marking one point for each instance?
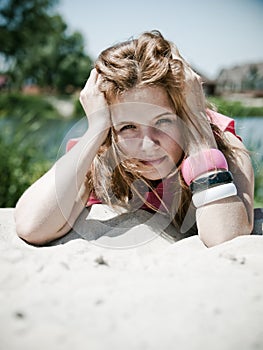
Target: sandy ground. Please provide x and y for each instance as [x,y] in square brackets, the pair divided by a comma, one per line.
[146,294]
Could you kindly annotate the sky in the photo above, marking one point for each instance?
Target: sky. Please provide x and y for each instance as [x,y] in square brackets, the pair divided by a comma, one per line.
[210,34]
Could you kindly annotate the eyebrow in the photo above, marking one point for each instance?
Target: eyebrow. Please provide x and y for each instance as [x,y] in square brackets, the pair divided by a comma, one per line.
[164,113]
[158,116]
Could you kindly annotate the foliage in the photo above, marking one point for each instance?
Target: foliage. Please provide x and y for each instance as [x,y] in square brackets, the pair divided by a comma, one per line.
[23,143]
[235,108]
[28,109]
[19,168]
[23,23]
[38,48]
[78,109]
[257,162]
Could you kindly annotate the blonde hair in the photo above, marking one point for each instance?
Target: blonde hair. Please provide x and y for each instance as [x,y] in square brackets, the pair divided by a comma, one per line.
[149,60]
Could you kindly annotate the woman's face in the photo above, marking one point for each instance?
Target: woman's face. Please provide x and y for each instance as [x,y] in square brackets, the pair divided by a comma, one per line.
[147,130]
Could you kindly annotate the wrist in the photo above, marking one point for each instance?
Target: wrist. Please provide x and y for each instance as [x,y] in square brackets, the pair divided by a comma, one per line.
[96,135]
[210,179]
[213,194]
[206,173]
[201,163]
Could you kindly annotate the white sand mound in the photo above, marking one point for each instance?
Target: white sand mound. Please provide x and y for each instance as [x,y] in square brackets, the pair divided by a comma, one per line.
[156,295]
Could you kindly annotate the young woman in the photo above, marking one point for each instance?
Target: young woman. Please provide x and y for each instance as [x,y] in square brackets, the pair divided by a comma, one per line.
[151,143]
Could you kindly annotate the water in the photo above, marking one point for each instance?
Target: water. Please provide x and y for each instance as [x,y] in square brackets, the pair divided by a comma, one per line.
[249,128]
[251,131]
[56,133]
[52,137]
[49,138]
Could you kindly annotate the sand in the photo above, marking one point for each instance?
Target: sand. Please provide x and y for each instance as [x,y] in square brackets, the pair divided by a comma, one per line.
[132,294]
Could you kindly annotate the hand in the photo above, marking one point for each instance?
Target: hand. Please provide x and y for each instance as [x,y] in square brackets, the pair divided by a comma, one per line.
[193,92]
[196,106]
[95,105]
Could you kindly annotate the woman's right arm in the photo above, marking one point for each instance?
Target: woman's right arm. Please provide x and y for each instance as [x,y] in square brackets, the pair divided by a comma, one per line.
[49,207]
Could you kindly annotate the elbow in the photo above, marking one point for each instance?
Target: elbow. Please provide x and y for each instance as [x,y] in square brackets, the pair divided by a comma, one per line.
[20,225]
[26,230]
[36,232]
[222,222]
[29,235]
[26,233]
[219,236]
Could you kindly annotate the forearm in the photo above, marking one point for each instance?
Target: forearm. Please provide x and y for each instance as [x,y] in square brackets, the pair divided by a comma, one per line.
[223,220]
[40,236]
[219,220]
[47,205]
[70,171]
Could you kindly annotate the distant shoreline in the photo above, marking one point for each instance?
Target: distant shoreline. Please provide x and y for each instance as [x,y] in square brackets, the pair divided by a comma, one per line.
[238,105]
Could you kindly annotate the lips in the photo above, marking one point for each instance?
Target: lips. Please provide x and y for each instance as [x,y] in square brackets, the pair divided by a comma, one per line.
[153,162]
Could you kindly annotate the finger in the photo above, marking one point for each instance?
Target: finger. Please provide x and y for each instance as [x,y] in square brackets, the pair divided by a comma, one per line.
[99,78]
[91,82]
[93,74]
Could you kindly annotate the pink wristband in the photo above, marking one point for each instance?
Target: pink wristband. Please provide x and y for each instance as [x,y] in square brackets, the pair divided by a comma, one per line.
[202,162]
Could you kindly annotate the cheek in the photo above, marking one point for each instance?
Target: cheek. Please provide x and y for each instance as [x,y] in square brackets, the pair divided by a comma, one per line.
[173,136]
[173,148]
[128,146]
[177,153]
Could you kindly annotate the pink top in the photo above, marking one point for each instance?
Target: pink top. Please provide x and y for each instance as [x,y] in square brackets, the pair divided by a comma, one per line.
[164,189]
[223,122]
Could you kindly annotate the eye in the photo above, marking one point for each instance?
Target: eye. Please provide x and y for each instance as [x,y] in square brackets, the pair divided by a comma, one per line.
[163,121]
[127,127]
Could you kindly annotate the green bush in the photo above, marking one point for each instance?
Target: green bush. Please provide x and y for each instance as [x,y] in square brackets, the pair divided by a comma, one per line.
[19,168]
[27,108]
[22,143]
[235,108]
[257,162]
[78,110]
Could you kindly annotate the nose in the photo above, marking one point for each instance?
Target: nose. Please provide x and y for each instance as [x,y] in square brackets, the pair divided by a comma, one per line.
[149,141]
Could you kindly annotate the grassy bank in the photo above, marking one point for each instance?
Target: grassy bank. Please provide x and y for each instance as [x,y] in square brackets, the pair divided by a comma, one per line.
[235,108]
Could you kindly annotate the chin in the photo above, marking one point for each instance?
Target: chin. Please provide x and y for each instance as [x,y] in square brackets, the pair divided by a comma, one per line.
[152,178]
[155,175]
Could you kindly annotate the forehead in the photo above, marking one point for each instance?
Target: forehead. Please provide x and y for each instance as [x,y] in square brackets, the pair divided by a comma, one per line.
[141,104]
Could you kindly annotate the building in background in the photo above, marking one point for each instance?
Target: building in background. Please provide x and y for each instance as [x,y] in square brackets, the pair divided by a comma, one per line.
[246,78]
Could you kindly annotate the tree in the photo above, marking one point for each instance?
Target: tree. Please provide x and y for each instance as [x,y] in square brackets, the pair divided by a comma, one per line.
[39,48]
[20,24]
[59,61]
